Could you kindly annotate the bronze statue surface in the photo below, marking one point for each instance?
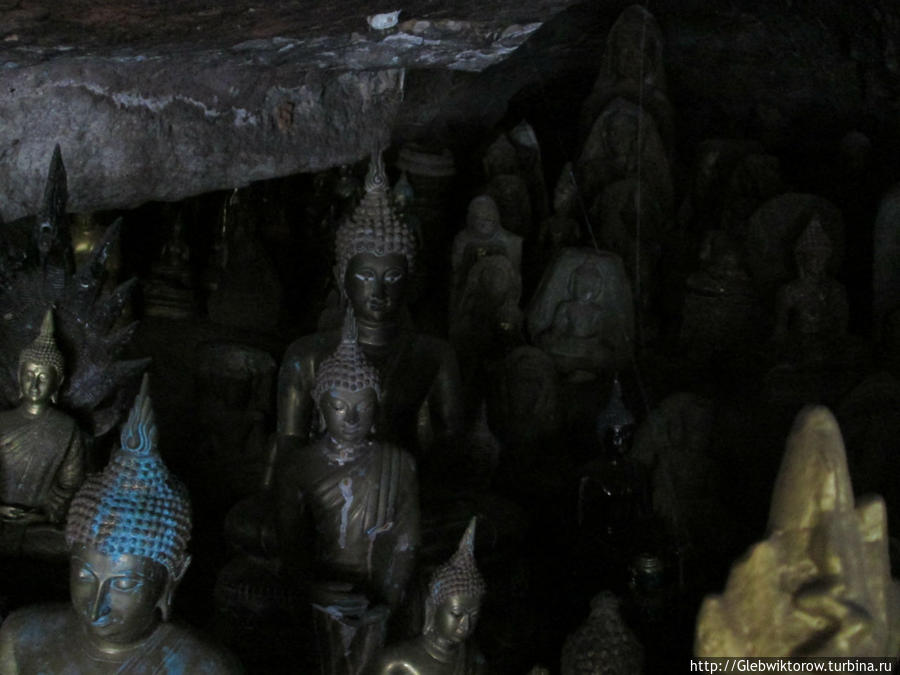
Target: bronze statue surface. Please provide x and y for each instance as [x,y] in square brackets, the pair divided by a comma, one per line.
[375,253]
[127,530]
[452,605]
[42,460]
[360,499]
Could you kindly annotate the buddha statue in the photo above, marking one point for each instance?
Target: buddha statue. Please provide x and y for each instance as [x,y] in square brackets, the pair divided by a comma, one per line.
[169,290]
[420,406]
[613,494]
[360,497]
[632,67]
[582,314]
[455,592]
[127,531]
[482,236]
[812,311]
[819,583]
[622,141]
[42,455]
[507,187]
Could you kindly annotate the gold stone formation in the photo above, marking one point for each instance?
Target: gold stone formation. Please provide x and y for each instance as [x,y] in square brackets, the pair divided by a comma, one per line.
[820,583]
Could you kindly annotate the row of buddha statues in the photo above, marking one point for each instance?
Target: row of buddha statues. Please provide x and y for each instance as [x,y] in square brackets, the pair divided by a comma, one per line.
[389,444]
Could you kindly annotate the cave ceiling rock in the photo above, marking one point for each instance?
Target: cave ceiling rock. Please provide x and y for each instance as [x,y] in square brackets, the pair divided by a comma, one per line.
[158,101]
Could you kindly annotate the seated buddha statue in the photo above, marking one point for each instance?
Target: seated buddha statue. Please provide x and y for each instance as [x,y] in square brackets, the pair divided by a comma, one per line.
[483,236]
[127,531]
[812,311]
[42,457]
[420,405]
[455,592]
[581,335]
[169,291]
[358,498]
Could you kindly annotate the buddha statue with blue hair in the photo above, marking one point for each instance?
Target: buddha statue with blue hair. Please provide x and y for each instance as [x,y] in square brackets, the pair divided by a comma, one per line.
[127,532]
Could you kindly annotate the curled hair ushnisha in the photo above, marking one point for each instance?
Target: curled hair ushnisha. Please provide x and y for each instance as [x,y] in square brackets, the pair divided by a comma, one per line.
[134,506]
[459,575]
[347,369]
[44,350]
[374,226]
[814,237]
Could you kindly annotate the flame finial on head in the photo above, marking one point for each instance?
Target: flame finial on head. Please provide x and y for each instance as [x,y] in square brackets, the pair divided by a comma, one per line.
[135,505]
[374,226]
[347,369]
[43,350]
[459,575]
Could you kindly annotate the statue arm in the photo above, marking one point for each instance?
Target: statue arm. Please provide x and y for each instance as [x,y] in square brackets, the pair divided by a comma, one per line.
[291,524]
[68,479]
[407,531]
[296,380]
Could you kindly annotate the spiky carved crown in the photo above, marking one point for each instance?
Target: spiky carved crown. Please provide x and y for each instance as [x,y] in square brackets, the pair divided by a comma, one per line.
[134,505]
[43,350]
[459,575]
[374,226]
[347,369]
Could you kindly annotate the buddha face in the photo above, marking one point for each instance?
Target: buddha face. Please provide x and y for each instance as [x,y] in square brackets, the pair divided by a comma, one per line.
[586,284]
[376,285]
[116,596]
[618,438]
[483,216]
[38,382]
[455,618]
[349,415]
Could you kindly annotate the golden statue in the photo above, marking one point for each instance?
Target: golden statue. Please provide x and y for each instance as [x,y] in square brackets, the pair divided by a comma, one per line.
[455,592]
[820,583]
[127,531]
[42,459]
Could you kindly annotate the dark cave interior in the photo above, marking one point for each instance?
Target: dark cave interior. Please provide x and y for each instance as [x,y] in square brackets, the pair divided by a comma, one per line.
[814,86]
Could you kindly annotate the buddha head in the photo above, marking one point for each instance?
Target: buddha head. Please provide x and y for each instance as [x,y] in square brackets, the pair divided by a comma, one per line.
[634,49]
[483,216]
[347,389]
[127,531]
[621,130]
[615,425]
[813,249]
[41,366]
[375,252]
[454,596]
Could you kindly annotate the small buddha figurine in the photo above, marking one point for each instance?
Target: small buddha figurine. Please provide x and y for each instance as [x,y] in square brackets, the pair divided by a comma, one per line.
[613,494]
[375,254]
[42,456]
[812,311]
[361,496]
[452,605]
[127,531]
[169,290]
[483,236]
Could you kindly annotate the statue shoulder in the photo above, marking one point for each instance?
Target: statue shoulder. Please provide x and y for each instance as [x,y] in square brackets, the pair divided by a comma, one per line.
[405,658]
[195,654]
[30,638]
[311,348]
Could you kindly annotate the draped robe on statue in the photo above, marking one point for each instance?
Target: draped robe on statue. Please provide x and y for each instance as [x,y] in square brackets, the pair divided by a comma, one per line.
[41,462]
